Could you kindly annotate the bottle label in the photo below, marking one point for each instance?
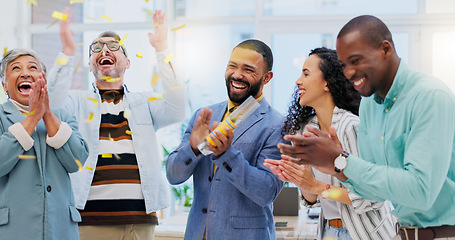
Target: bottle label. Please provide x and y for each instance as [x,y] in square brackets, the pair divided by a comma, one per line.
[222,128]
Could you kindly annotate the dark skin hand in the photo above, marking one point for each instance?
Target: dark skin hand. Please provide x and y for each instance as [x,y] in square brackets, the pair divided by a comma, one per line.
[315,148]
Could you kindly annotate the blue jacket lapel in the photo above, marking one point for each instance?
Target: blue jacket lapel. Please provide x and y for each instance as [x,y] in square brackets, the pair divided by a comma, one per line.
[251,120]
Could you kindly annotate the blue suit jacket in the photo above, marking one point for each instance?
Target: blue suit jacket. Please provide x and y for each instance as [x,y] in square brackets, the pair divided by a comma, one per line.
[235,202]
[36,201]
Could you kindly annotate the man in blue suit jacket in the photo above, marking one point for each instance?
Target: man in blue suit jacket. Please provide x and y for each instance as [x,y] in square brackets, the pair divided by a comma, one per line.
[233,191]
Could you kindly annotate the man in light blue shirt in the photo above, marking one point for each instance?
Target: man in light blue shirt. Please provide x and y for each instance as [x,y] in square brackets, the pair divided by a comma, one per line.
[406,135]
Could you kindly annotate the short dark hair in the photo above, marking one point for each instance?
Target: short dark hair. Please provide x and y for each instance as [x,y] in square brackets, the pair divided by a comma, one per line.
[372,29]
[111,34]
[261,48]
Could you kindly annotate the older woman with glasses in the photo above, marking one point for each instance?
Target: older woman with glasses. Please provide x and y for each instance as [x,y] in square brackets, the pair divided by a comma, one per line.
[39,147]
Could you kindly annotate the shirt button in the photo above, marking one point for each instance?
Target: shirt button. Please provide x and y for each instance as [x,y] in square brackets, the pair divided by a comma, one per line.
[386,110]
[349,185]
[394,99]
[204,210]
[49,188]
[382,138]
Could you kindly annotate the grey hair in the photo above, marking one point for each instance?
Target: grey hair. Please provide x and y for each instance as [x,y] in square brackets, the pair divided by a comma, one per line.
[11,55]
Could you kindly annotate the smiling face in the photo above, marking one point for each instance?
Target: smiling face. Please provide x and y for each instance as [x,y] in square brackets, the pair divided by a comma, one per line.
[364,65]
[246,75]
[313,90]
[108,63]
[19,75]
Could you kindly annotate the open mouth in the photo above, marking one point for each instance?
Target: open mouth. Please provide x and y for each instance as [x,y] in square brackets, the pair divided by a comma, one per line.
[359,83]
[106,61]
[25,87]
[301,91]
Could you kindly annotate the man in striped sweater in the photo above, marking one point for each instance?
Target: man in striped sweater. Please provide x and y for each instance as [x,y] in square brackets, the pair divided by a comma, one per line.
[121,185]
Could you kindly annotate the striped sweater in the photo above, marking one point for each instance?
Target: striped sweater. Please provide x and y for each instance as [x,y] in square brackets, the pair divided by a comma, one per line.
[115,194]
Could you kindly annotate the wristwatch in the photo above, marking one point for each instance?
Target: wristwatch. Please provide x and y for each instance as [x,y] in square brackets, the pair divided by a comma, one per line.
[341,161]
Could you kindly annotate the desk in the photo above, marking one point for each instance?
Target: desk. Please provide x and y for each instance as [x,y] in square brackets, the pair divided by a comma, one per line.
[299,227]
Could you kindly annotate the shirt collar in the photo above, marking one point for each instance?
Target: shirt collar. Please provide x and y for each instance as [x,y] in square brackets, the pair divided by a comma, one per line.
[396,88]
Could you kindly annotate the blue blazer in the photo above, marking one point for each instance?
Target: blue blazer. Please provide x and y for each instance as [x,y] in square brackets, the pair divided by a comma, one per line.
[236,201]
[36,201]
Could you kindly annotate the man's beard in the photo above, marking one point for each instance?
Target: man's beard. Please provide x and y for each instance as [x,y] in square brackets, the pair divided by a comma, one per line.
[253,90]
[98,73]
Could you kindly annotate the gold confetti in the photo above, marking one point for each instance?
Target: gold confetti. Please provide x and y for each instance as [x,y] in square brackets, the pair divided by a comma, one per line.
[5,51]
[79,164]
[148,11]
[138,54]
[128,132]
[122,41]
[153,98]
[80,44]
[93,100]
[29,113]
[106,155]
[90,118]
[106,18]
[91,18]
[62,61]
[33,2]
[154,80]
[76,1]
[110,138]
[168,58]
[27,157]
[59,15]
[117,156]
[127,113]
[89,168]
[177,87]
[177,28]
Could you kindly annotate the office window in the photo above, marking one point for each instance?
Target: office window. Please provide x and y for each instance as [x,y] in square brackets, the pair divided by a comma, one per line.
[214,8]
[440,6]
[444,57]
[338,7]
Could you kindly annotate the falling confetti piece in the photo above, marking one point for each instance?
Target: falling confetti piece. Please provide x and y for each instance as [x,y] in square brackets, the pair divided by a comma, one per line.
[33,2]
[77,66]
[110,138]
[27,157]
[117,156]
[106,18]
[156,97]
[154,80]
[29,113]
[5,51]
[91,18]
[122,41]
[138,54]
[89,168]
[79,164]
[80,44]
[59,15]
[127,113]
[177,87]
[90,118]
[76,1]
[177,28]
[168,58]
[128,132]
[62,61]
[148,11]
[109,79]
[106,155]
[93,100]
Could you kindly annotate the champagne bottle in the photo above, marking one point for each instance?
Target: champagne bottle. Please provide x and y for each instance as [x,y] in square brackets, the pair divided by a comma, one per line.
[232,121]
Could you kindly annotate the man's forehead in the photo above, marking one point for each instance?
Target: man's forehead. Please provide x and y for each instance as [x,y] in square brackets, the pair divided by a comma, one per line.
[105,39]
[246,55]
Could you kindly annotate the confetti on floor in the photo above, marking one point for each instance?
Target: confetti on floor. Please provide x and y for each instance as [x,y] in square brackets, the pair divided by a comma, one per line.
[93,100]
[59,15]
[106,18]
[178,28]
[29,113]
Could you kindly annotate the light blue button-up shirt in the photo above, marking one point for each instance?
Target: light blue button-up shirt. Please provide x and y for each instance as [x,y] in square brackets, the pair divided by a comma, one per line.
[407,155]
